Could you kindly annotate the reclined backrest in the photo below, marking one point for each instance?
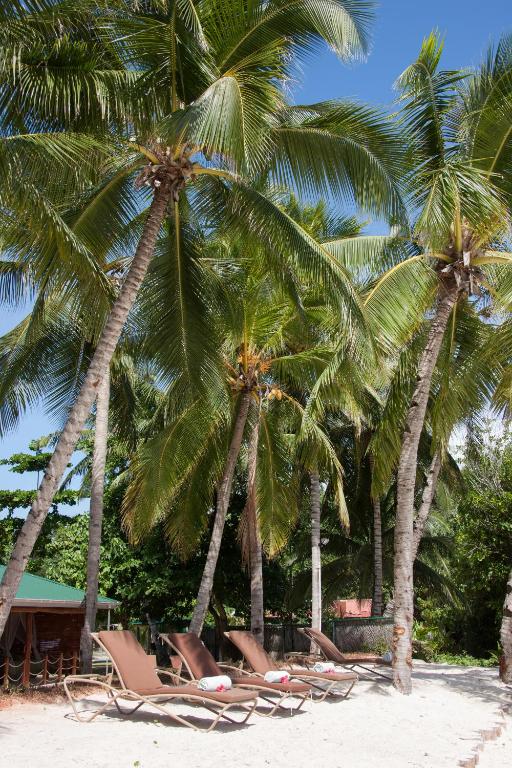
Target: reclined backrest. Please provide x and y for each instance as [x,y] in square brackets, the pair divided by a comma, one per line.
[327,646]
[254,653]
[137,670]
[197,656]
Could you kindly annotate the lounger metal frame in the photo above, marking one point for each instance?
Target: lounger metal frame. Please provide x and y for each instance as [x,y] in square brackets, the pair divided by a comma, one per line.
[308,680]
[274,706]
[115,694]
[347,663]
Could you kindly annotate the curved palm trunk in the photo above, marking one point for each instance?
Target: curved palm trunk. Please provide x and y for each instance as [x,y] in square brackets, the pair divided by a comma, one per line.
[427,498]
[99,458]
[223,495]
[316,558]
[421,518]
[506,635]
[86,397]
[406,477]
[256,555]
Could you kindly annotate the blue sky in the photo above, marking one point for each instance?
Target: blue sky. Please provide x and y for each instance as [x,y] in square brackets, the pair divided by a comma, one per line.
[468,26]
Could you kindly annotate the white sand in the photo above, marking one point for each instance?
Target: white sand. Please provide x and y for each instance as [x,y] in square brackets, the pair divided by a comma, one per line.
[376,727]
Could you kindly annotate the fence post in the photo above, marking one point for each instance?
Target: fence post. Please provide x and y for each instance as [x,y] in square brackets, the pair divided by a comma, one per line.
[59,667]
[6,674]
[45,668]
[74,661]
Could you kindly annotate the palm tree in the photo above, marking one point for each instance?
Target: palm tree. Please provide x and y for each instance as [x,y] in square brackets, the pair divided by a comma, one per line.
[254,549]
[223,495]
[260,330]
[95,522]
[217,117]
[461,187]
[377,598]
[316,555]
[348,555]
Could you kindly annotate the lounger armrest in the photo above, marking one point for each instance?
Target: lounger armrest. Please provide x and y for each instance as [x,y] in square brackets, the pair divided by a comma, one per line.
[173,675]
[96,680]
[233,667]
[302,658]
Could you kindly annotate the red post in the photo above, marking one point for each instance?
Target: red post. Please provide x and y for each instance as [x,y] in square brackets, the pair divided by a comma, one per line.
[45,669]
[59,668]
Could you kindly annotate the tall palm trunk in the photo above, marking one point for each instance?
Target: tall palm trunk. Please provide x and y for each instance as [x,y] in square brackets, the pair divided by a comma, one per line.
[86,397]
[316,558]
[223,495]
[255,555]
[377,600]
[427,498]
[406,477]
[99,458]
[506,635]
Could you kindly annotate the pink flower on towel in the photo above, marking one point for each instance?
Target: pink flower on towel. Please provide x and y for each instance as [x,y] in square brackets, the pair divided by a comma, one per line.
[284,679]
[220,688]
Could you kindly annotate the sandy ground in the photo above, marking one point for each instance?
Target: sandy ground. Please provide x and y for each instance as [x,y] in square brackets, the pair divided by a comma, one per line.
[375,728]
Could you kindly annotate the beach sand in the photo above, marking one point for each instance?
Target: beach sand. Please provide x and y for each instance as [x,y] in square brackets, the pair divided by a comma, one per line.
[437,726]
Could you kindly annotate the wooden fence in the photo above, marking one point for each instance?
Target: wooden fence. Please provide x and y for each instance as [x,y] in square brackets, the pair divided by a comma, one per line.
[354,634]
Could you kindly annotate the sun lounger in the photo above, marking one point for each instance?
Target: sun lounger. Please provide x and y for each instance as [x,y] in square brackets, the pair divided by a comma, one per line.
[199,663]
[138,682]
[260,662]
[350,660]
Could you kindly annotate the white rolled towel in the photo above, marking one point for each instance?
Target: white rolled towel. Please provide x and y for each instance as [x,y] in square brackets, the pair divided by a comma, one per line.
[216,683]
[276,676]
[324,666]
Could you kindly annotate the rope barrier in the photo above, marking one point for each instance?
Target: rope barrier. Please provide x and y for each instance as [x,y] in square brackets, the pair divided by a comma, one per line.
[44,671]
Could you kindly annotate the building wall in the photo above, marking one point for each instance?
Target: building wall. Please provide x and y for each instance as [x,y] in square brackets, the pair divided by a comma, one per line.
[62,627]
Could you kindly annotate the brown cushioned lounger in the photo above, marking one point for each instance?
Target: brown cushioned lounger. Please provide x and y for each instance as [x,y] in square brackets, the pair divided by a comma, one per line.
[200,663]
[259,661]
[139,682]
[350,660]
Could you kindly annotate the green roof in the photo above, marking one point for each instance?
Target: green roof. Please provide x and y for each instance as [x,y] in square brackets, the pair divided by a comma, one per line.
[35,591]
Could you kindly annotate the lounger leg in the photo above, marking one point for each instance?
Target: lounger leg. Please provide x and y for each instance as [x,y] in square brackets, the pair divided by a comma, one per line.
[372,671]
[324,691]
[274,706]
[306,695]
[112,697]
[127,712]
[280,703]
[215,712]
[222,714]
[327,691]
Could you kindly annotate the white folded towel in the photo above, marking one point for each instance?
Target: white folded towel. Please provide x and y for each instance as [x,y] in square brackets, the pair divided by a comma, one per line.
[276,676]
[216,683]
[324,666]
